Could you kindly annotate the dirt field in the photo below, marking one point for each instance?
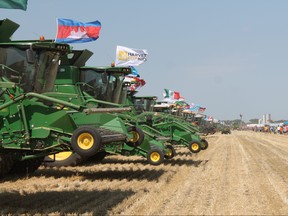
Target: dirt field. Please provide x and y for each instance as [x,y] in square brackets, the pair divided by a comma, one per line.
[245,173]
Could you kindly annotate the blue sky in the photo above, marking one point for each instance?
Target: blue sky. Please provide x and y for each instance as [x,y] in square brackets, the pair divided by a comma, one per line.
[230,56]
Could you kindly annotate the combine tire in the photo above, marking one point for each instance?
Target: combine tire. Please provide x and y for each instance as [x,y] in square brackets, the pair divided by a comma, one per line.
[155,157]
[86,141]
[26,167]
[137,136]
[67,158]
[6,164]
[171,152]
[204,144]
[194,147]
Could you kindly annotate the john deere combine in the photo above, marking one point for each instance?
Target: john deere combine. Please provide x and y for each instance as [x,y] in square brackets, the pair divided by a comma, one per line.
[182,132]
[33,124]
[176,129]
[172,129]
[81,85]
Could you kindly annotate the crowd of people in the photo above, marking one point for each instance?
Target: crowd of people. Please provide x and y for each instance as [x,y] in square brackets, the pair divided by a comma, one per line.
[279,129]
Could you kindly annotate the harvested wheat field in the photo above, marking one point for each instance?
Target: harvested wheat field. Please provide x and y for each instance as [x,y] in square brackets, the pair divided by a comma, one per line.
[245,173]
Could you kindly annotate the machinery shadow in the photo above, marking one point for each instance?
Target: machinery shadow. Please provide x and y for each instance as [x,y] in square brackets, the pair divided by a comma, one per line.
[185,162]
[112,160]
[96,202]
[124,174]
[128,174]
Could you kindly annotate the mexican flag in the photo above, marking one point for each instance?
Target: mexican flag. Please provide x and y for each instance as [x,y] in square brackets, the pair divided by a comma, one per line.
[14,4]
[171,94]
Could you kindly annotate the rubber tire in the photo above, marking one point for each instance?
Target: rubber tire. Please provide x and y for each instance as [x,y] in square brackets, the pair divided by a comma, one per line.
[26,167]
[6,164]
[205,142]
[172,152]
[72,160]
[190,147]
[91,132]
[140,135]
[155,153]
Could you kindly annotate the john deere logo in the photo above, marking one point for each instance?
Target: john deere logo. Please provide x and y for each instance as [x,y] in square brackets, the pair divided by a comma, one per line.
[122,55]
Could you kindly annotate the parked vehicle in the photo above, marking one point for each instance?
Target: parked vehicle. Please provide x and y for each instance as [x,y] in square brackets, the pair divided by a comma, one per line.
[225,130]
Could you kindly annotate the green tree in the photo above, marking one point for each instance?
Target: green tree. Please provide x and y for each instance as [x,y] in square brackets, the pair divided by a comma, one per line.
[253,121]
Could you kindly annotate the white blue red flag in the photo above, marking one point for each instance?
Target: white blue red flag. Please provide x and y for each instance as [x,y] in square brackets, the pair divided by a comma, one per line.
[72,31]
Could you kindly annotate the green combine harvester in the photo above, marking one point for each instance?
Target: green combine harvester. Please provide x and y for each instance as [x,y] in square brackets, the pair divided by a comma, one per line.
[80,85]
[160,117]
[35,125]
[106,85]
[176,129]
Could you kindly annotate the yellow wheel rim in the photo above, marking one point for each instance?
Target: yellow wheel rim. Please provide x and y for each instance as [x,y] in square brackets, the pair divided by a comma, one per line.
[155,156]
[135,136]
[60,156]
[195,146]
[85,141]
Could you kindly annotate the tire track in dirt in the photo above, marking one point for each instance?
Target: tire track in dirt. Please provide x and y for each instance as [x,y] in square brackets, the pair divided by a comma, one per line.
[239,174]
[279,142]
[86,189]
[187,197]
[167,195]
[158,193]
[274,169]
[219,189]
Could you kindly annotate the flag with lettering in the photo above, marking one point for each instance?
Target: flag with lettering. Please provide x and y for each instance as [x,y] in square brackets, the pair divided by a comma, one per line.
[129,56]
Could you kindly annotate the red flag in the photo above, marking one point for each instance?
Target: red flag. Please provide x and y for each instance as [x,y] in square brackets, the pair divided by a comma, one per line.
[201,109]
[176,95]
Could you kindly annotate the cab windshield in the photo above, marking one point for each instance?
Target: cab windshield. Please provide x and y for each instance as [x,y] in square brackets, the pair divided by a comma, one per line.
[38,76]
[104,86]
[143,104]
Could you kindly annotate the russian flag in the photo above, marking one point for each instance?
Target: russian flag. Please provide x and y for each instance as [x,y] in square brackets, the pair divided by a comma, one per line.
[72,31]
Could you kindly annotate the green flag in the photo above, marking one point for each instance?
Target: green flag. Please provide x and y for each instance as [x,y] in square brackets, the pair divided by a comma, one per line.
[14,4]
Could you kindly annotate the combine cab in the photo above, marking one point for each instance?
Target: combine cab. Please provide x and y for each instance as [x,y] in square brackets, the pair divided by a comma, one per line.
[30,127]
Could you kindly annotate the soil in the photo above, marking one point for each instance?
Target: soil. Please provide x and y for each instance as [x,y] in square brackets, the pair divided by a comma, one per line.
[242,173]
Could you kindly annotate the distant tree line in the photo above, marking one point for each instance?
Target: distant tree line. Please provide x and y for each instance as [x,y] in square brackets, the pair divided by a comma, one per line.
[255,121]
[234,124]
